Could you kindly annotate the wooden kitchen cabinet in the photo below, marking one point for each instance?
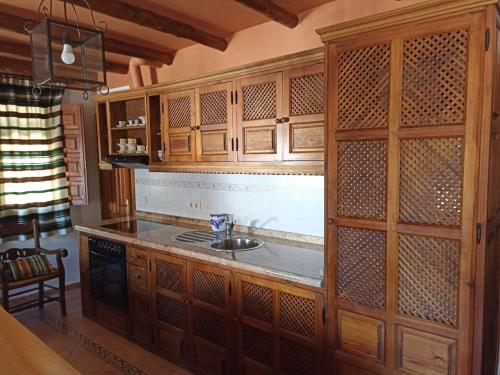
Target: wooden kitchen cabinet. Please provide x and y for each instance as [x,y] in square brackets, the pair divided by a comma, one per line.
[214,122]
[259,109]
[179,126]
[210,318]
[170,307]
[303,119]
[280,328]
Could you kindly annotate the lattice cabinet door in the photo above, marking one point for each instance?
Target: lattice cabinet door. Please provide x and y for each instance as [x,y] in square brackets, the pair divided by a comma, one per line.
[179,126]
[303,113]
[210,318]
[280,328]
[259,112]
[402,160]
[170,307]
[214,123]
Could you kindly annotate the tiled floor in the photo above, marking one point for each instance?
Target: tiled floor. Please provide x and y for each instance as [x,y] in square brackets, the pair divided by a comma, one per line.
[90,348]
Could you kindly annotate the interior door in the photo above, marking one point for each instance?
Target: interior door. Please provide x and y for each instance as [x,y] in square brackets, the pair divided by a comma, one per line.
[170,307]
[303,110]
[259,113]
[214,119]
[401,195]
[179,126]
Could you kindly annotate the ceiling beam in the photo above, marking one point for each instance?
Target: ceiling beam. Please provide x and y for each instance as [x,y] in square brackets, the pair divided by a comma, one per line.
[11,65]
[272,11]
[24,50]
[114,45]
[147,18]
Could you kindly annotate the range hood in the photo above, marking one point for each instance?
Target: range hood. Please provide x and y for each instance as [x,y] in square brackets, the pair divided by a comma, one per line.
[128,161]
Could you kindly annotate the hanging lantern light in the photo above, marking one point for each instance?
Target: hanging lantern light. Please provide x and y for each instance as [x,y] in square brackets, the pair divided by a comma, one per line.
[66,55]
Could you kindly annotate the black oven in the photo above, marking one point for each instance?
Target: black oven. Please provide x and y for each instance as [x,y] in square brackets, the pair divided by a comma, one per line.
[108,272]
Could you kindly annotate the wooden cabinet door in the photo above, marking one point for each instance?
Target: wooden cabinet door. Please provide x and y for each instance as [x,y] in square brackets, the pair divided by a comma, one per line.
[74,151]
[170,307]
[303,110]
[280,328]
[210,319]
[214,119]
[259,106]
[179,126]
[402,165]
[117,192]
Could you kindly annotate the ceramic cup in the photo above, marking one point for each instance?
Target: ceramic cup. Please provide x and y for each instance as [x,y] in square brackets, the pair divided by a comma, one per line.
[130,122]
[160,154]
[122,123]
[142,119]
[122,147]
[218,222]
[141,148]
[131,147]
[123,141]
[132,141]
[136,121]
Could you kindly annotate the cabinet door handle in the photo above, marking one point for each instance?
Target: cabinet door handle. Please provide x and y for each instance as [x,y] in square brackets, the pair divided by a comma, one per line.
[237,144]
[278,121]
[285,119]
[232,144]
[330,221]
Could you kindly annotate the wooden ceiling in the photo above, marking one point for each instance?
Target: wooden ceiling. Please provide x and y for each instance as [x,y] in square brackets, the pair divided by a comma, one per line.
[149,29]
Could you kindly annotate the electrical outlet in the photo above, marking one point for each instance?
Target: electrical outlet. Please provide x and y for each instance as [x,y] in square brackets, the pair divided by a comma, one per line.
[195,205]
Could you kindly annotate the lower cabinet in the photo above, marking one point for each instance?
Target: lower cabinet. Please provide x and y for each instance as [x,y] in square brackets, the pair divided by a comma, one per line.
[215,321]
[280,328]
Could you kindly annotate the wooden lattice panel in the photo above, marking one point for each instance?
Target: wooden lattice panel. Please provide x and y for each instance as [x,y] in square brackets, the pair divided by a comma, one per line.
[307,94]
[258,345]
[179,112]
[297,359]
[209,287]
[213,108]
[428,278]
[169,276]
[364,87]
[431,181]
[259,101]
[361,266]
[434,79]
[209,326]
[171,311]
[297,314]
[362,179]
[257,302]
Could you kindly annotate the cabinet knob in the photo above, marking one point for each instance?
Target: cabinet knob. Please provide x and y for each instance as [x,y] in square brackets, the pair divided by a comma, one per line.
[278,121]
[330,221]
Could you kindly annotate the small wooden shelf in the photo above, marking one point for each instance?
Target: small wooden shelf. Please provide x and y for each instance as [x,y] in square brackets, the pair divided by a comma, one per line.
[130,127]
[130,153]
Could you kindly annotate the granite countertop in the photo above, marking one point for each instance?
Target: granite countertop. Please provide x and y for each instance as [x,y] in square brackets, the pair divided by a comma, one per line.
[288,260]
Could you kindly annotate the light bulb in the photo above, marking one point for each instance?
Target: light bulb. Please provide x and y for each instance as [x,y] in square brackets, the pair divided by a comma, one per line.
[67,55]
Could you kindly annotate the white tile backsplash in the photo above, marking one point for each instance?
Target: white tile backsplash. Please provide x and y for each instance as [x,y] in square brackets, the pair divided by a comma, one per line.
[286,203]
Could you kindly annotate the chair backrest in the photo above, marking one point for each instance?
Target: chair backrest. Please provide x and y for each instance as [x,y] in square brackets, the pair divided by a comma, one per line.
[27,229]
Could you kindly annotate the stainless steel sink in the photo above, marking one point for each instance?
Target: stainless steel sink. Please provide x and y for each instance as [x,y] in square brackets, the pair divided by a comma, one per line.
[237,244]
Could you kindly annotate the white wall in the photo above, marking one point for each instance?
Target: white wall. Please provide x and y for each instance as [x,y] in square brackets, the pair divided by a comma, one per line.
[90,213]
[286,203]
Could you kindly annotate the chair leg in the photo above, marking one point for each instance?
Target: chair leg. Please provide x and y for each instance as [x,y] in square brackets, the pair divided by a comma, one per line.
[5,298]
[41,295]
[62,294]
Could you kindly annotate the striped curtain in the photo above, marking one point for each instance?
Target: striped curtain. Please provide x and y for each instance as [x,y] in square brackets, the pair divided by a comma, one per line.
[33,181]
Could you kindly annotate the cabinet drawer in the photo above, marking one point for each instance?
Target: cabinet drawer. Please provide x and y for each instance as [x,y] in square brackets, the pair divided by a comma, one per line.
[138,277]
[137,257]
[139,302]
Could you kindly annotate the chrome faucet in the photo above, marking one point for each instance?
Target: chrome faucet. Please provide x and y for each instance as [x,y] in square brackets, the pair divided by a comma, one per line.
[229,229]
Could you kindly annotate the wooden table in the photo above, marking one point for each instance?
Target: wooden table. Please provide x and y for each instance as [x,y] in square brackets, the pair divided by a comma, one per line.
[21,352]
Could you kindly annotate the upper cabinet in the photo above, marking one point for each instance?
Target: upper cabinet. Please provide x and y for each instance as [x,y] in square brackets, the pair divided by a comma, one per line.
[214,122]
[262,118]
[303,110]
[179,126]
[259,112]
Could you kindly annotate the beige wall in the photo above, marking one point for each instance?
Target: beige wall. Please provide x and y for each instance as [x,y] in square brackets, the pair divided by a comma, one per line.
[263,41]
[90,213]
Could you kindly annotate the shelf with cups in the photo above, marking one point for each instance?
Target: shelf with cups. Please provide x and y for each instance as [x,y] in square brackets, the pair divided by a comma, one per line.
[126,128]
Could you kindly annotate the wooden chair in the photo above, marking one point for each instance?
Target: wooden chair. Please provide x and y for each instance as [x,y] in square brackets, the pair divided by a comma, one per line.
[7,283]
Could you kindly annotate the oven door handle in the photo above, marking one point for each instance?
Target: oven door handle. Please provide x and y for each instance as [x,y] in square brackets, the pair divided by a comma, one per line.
[109,259]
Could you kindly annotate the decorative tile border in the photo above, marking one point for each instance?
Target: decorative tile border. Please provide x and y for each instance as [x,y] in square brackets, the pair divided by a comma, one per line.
[100,351]
[244,188]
